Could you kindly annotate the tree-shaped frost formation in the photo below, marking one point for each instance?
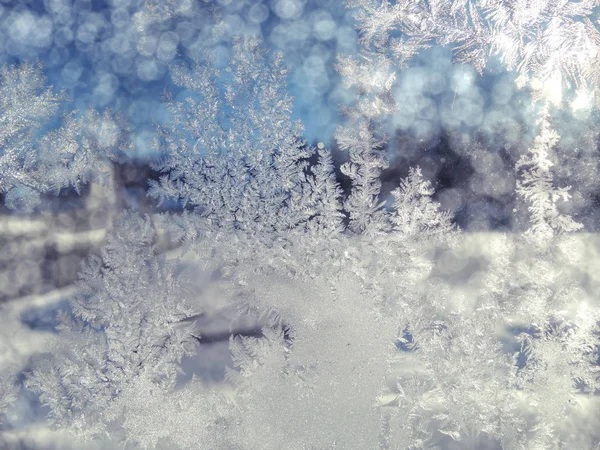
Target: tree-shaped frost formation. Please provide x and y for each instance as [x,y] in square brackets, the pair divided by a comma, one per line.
[35,160]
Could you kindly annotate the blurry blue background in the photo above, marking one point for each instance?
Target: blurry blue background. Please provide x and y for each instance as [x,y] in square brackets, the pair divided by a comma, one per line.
[90,49]
[93,50]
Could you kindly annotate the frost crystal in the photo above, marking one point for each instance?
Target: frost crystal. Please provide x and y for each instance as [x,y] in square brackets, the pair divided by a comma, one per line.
[536,185]
[556,43]
[71,155]
[353,319]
